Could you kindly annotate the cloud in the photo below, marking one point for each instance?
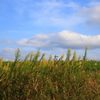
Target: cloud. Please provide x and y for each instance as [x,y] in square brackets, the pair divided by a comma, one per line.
[36,41]
[69,39]
[72,5]
[92,4]
[48,12]
[64,39]
[91,14]
[7,53]
[55,13]
[6,41]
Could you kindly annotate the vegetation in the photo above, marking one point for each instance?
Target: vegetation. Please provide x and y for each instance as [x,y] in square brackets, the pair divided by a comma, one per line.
[36,78]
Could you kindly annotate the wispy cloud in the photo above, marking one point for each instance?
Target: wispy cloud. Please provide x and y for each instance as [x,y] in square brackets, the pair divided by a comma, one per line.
[7,53]
[54,13]
[48,12]
[92,4]
[91,14]
[6,41]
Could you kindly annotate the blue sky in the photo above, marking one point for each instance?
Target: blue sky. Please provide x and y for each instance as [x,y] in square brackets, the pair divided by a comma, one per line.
[52,26]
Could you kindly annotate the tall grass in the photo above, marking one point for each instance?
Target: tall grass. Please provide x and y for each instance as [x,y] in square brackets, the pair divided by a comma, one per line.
[36,78]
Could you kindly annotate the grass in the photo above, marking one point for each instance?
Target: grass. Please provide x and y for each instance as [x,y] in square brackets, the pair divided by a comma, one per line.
[52,79]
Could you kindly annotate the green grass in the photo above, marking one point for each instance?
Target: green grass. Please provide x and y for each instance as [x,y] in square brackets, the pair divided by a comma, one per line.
[41,79]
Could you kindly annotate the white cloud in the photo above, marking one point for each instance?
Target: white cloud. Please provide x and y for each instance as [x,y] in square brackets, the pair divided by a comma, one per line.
[65,39]
[92,4]
[6,41]
[7,53]
[72,5]
[91,14]
[39,41]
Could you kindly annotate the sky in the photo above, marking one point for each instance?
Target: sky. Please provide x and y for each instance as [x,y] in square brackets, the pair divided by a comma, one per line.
[51,26]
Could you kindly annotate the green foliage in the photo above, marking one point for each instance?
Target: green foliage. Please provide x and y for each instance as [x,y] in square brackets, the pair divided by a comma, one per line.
[85,54]
[68,54]
[74,56]
[36,78]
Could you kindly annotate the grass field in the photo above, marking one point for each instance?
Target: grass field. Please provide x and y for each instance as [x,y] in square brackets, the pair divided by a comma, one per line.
[36,78]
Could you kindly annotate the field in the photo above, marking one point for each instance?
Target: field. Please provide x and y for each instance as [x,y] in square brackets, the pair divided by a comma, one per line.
[36,78]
